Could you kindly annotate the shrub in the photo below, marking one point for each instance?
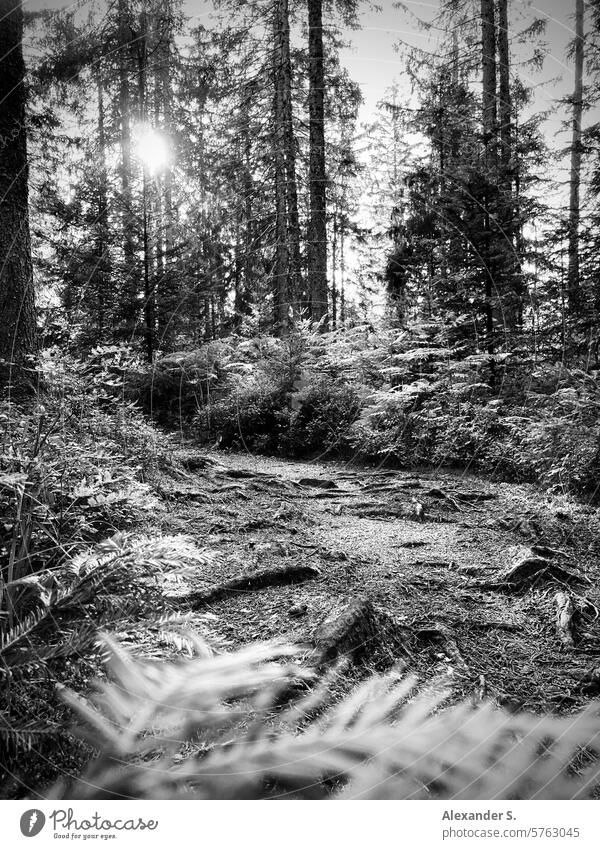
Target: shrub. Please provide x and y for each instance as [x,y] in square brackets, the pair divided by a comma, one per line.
[74,466]
[175,386]
[253,416]
[322,414]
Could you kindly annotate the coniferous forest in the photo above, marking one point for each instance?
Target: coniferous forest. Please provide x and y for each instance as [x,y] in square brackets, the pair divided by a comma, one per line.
[299,400]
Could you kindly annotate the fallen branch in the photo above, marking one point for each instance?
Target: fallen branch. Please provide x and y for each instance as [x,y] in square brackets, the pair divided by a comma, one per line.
[475,496]
[548,553]
[588,680]
[247,474]
[270,577]
[439,494]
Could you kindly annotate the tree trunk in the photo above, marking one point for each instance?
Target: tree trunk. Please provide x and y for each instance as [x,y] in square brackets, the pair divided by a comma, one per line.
[167,292]
[249,246]
[489,126]
[17,305]
[317,228]
[159,271]
[505,103]
[512,289]
[295,294]
[573,283]
[129,306]
[105,287]
[149,295]
[280,265]
[334,293]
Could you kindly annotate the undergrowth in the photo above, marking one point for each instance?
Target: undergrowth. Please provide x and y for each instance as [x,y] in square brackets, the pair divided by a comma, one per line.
[214,727]
[77,465]
[395,397]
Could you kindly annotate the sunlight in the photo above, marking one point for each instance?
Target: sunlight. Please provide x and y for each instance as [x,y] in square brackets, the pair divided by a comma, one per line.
[151,147]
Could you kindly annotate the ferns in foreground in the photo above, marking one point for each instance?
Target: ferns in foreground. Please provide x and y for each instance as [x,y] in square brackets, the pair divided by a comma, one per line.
[241,737]
[111,585]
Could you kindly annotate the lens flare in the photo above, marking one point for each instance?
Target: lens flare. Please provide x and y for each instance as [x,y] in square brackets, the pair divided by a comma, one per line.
[152,148]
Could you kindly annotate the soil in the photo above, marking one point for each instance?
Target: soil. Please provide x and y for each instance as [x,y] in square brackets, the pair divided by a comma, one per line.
[489,588]
[428,548]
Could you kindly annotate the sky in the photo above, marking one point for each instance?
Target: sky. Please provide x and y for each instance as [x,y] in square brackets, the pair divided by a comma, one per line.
[375,62]
[374,57]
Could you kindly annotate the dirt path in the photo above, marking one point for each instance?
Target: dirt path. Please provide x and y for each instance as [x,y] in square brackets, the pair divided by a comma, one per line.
[417,544]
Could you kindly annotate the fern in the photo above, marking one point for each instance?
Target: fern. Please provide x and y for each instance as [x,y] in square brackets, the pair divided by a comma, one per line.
[14,739]
[382,741]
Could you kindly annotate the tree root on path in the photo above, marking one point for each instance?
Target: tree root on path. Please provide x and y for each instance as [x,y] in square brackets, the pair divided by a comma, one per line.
[530,569]
[356,630]
[270,577]
[588,680]
[442,638]
[564,618]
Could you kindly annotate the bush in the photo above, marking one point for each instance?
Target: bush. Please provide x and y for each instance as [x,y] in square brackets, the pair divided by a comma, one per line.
[322,415]
[253,416]
[74,465]
[175,386]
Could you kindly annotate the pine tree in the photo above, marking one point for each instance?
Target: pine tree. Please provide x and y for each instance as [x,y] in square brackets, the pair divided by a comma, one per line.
[317,226]
[18,339]
[573,281]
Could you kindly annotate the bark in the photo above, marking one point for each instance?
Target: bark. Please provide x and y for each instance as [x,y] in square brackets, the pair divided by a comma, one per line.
[511,285]
[489,125]
[105,292]
[564,618]
[167,301]
[347,632]
[271,576]
[125,140]
[149,294]
[530,569]
[280,264]
[573,282]
[504,91]
[245,223]
[17,304]
[159,218]
[317,229]
[488,58]
[249,219]
[293,221]
[334,292]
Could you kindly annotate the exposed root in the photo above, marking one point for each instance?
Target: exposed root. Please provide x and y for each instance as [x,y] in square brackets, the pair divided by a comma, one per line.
[443,640]
[318,483]
[564,618]
[528,570]
[588,680]
[347,630]
[270,577]
[356,630]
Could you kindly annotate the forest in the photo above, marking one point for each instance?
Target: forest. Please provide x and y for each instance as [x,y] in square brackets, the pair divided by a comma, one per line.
[299,400]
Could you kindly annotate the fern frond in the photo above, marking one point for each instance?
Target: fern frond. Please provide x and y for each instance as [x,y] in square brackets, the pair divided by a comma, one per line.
[21,738]
[379,742]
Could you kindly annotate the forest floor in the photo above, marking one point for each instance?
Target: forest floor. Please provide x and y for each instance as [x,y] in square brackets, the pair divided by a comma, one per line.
[432,550]
[456,578]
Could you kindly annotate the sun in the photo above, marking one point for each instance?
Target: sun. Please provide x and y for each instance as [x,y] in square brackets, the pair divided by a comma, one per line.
[151,147]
